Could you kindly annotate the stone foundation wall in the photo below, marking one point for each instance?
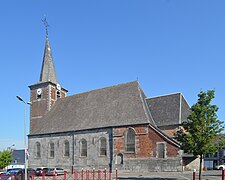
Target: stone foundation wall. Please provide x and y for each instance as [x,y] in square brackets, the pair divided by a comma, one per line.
[151,165]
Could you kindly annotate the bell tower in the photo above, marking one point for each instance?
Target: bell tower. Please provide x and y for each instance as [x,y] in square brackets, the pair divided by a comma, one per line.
[45,93]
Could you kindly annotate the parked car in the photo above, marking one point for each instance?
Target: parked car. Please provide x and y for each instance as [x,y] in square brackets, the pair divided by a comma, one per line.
[41,171]
[21,172]
[55,171]
[13,171]
[10,174]
[3,172]
[220,167]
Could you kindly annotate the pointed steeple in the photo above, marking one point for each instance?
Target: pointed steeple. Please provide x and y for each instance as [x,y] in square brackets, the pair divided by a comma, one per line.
[47,91]
[48,73]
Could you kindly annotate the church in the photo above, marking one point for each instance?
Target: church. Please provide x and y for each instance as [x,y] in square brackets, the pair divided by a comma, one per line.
[112,127]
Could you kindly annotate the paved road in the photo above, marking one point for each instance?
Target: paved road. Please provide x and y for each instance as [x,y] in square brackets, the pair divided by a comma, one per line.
[207,175]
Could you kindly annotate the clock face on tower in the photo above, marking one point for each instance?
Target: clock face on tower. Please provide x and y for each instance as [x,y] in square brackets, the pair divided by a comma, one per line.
[58,86]
[39,91]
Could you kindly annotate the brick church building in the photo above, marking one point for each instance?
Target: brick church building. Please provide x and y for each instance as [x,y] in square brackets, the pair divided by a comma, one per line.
[113,127]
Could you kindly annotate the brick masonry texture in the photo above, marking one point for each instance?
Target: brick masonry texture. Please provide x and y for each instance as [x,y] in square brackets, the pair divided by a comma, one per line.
[146,143]
[142,160]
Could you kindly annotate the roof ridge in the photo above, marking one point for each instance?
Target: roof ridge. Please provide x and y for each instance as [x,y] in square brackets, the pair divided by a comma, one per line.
[170,94]
[108,87]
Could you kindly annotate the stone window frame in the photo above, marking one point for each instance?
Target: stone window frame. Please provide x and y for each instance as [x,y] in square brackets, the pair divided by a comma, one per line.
[130,140]
[66,148]
[102,146]
[164,150]
[51,150]
[37,150]
[83,148]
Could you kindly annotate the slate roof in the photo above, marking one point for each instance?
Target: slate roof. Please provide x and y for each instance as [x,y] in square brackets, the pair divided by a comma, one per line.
[18,157]
[118,105]
[48,73]
[168,110]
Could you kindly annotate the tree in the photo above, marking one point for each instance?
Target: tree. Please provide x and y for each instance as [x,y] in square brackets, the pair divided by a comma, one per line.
[5,158]
[200,134]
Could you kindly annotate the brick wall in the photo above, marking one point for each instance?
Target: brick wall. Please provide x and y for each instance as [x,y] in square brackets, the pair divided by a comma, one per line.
[146,143]
[145,158]
[40,106]
[170,132]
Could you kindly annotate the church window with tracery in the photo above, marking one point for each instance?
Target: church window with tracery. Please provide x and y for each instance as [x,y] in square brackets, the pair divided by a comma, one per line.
[130,140]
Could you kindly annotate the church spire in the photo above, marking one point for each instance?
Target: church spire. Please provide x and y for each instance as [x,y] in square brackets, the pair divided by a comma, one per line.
[47,91]
[48,73]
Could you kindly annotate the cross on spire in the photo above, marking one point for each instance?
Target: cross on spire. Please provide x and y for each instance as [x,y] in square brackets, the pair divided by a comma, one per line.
[46,25]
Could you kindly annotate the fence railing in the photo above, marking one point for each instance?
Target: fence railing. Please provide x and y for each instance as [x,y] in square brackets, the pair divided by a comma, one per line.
[81,175]
[89,175]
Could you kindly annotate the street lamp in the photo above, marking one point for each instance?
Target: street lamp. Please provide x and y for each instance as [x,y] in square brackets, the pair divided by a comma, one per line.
[25,145]
[10,148]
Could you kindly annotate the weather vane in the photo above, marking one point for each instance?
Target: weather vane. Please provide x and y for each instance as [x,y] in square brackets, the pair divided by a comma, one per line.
[46,25]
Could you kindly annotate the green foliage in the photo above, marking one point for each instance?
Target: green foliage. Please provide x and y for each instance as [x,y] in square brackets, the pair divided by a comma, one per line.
[5,158]
[201,133]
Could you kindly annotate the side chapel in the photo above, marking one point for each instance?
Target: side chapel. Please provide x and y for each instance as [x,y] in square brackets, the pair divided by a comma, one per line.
[113,127]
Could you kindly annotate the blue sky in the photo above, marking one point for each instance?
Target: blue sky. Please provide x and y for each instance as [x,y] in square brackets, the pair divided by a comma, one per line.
[168,45]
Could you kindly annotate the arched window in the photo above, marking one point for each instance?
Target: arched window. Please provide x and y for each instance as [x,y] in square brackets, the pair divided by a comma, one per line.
[102,147]
[130,140]
[37,150]
[83,148]
[52,150]
[66,148]
[119,158]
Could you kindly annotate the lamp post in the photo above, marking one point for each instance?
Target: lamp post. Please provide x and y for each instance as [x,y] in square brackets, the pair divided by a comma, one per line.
[25,144]
[10,148]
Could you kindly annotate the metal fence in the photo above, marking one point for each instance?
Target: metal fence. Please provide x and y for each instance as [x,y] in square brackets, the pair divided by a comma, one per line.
[81,175]
[76,175]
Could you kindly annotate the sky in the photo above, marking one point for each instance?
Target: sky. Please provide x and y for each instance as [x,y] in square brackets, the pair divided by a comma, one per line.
[167,45]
